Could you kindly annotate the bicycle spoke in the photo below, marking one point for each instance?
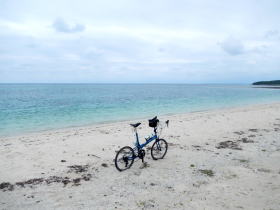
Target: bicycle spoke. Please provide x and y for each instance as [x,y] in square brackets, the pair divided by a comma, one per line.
[159,149]
[124,158]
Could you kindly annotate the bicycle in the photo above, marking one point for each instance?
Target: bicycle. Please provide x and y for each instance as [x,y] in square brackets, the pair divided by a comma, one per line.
[125,156]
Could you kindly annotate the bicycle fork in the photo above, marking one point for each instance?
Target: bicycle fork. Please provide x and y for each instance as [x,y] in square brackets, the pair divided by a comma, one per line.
[158,146]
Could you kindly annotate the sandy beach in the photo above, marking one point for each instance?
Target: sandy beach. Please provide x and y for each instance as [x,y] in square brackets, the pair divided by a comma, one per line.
[219,159]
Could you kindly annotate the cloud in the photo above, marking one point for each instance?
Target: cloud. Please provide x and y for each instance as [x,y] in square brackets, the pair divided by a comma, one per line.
[140,45]
[232,46]
[272,34]
[61,26]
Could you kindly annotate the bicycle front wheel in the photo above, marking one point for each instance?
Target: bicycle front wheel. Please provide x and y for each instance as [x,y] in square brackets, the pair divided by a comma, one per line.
[124,158]
[159,149]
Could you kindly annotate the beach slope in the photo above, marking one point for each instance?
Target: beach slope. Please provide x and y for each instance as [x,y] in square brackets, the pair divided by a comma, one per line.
[221,159]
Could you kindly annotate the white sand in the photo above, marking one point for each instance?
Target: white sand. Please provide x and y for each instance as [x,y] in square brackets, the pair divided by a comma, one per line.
[243,179]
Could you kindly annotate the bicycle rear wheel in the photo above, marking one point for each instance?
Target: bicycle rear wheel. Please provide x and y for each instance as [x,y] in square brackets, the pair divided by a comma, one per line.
[124,158]
[159,149]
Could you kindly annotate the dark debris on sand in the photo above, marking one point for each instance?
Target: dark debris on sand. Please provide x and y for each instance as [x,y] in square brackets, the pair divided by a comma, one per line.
[86,177]
[78,168]
[105,165]
[58,179]
[207,172]
[239,132]
[6,186]
[252,136]
[253,130]
[77,181]
[246,140]
[228,144]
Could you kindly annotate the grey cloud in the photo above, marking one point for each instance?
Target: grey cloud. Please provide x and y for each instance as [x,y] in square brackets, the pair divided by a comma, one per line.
[61,26]
[272,34]
[232,46]
[129,47]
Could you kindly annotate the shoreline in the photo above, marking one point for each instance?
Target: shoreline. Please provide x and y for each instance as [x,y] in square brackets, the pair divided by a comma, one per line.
[128,121]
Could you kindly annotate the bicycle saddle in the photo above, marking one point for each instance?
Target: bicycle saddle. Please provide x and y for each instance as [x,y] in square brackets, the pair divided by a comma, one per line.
[135,125]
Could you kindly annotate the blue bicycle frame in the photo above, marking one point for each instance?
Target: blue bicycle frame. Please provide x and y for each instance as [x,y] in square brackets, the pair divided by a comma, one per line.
[140,146]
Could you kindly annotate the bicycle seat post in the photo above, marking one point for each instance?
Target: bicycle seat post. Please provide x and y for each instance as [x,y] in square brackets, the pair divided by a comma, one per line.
[137,138]
[136,134]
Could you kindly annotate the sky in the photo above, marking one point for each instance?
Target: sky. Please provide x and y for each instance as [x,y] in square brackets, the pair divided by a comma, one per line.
[139,41]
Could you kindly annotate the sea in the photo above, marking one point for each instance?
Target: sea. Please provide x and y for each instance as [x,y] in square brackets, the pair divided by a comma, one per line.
[26,108]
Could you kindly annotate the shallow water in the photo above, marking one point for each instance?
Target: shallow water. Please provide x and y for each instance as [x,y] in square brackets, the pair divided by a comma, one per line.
[34,107]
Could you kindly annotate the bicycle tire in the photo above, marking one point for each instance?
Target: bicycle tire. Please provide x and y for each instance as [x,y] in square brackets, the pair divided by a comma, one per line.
[157,146]
[119,160]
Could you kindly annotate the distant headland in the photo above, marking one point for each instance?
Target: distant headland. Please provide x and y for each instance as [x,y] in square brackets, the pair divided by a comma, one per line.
[272,82]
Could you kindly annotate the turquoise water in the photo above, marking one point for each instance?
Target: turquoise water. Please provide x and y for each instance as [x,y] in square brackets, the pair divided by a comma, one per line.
[34,107]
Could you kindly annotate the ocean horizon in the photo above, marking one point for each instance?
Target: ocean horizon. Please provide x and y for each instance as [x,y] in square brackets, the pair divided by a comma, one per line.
[33,107]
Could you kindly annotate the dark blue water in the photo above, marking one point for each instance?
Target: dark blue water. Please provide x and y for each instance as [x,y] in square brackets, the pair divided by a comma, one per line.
[34,107]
